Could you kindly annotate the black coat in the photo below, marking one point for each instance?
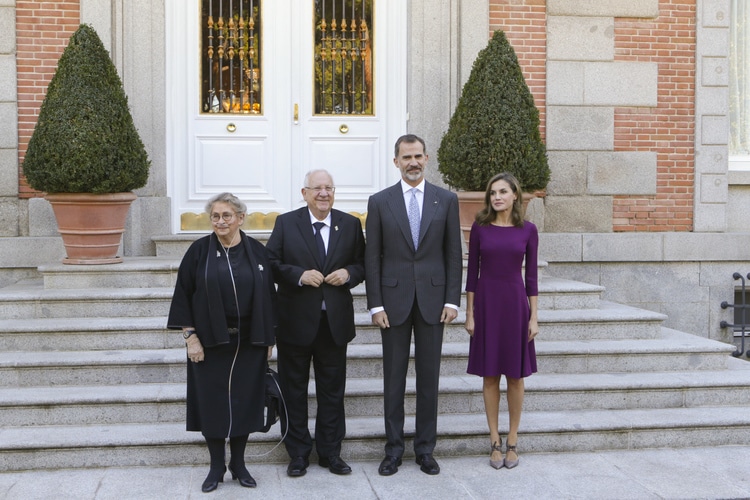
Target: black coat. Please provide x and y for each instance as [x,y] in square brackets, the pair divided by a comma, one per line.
[197,300]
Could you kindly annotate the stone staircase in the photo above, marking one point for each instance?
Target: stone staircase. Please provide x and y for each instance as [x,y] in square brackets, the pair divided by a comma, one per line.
[89,377]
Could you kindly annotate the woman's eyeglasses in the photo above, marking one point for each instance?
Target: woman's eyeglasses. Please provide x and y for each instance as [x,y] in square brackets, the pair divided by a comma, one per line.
[226,216]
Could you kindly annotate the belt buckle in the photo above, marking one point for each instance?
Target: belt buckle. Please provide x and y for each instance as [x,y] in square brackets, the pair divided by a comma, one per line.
[233,331]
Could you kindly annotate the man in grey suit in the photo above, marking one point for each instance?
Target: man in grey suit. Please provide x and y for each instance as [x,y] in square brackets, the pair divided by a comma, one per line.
[317,256]
[413,268]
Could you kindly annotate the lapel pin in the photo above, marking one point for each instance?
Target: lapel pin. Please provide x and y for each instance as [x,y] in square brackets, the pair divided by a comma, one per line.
[218,254]
[260,267]
[335,228]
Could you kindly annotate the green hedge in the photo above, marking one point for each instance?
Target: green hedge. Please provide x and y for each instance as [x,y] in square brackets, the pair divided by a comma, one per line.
[85,140]
[495,127]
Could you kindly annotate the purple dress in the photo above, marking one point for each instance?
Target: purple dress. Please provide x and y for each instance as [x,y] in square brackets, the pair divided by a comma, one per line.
[501,306]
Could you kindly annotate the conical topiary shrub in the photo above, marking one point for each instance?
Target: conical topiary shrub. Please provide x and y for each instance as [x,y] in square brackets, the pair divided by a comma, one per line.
[85,152]
[495,127]
[85,140]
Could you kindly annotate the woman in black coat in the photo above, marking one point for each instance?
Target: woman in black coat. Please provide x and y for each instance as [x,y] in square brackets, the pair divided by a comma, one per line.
[225,304]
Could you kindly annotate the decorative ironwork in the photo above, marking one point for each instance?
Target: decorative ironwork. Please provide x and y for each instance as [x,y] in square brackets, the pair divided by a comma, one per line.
[230,67]
[743,306]
[343,57]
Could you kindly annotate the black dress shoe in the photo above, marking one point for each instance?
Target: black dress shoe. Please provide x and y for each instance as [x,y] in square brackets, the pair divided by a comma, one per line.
[212,480]
[297,467]
[243,476]
[428,464]
[389,465]
[335,464]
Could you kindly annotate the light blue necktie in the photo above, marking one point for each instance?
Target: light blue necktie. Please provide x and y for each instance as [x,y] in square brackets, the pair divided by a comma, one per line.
[414,217]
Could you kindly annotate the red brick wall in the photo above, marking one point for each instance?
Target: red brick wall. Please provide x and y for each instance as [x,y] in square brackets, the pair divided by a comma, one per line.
[525,25]
[42,32]
[669,128]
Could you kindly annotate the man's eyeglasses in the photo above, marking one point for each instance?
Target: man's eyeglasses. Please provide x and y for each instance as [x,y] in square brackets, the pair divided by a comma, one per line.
[227,216]
[320,189]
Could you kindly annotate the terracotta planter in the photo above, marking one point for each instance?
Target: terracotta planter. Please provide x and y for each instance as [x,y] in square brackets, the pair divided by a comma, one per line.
[91,225]
[469,203]
[527,197]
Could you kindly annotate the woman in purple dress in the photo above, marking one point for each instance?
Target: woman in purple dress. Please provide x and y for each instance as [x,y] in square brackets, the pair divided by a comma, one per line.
[501,306]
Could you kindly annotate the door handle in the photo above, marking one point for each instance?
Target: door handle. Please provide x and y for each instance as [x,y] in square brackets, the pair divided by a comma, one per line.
[343,128]
[231,128]
[296,113]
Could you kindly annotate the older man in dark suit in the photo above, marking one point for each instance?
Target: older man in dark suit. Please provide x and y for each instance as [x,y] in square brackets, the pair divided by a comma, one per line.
[413,268]
[317,255]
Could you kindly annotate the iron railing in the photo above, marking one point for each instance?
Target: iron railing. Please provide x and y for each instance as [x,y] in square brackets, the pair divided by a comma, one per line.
[742,307]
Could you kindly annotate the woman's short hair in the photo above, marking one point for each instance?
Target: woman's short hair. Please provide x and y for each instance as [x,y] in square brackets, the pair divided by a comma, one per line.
[237,204]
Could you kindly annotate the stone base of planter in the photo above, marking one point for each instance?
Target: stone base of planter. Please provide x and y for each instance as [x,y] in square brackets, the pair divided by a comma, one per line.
[469,203]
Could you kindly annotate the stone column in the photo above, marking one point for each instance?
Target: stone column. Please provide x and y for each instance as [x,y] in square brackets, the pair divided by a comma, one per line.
[133,32]
[9,204]
[711,115]
[444,39]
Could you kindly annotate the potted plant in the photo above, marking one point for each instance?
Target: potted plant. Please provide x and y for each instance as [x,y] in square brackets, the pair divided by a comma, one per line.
[495,128]
[86,149]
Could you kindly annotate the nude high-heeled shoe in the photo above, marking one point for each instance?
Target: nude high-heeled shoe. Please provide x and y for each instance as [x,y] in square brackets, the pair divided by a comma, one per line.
[497,464]
[509,464]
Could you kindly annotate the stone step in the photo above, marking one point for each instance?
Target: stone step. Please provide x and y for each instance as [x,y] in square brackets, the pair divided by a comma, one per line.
[156,272]
[61,368]
[610,321]
[29,300]
[143,403]
[155,444]
[87,334]
[133,272]
[113,321]
[672,351]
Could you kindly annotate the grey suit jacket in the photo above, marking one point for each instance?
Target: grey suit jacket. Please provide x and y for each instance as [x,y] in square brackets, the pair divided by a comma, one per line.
[396,274]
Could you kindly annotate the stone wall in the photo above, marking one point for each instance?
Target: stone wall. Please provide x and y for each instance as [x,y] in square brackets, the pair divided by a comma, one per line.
[683,275]
[9,204]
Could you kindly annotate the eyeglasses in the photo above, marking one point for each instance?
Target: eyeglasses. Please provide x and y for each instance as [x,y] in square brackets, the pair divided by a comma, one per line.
[227,216]
[320,189]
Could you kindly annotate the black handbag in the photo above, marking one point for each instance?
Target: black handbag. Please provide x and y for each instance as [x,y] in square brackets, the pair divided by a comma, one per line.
[275,407]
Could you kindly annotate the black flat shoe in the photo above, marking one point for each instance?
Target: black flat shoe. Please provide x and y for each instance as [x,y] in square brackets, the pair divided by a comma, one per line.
[428,465]
[335,464]
[389,466]
[243,476]
[212,480]
[297,467]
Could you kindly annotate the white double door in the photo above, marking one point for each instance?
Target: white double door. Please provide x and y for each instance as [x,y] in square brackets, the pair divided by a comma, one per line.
[263,158]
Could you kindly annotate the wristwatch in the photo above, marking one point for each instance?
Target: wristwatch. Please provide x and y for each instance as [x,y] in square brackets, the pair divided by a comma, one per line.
[187,333]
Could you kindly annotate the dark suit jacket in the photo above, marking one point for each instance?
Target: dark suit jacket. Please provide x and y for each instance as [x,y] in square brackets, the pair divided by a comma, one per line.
[293,251]
[395,273]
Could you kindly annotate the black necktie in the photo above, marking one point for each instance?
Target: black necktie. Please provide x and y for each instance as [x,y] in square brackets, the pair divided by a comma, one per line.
[319,241]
